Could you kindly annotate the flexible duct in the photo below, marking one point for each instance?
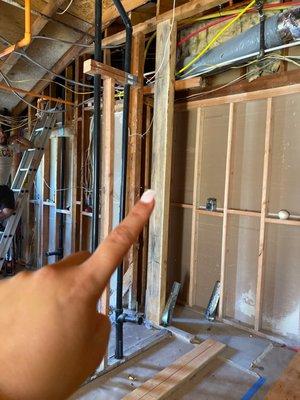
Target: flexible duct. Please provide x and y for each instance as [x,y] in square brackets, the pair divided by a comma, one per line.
[280,29]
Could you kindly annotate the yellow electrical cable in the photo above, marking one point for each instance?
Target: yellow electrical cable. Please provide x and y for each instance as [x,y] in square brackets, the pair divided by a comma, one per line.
[215,38]
[235,11]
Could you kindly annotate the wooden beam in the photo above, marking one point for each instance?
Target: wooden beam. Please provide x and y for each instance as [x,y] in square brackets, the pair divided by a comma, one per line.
[92,67]
[135,152]
[37,26]
[261,88]
[33,94]
[190,9]
[229,152]
[169,379]
[196,192]
[264,212]
[287,387]
[111,13]
[161,168]
[107,178]
[69,56]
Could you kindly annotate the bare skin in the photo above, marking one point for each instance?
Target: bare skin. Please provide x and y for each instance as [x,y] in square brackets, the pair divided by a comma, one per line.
[52,337]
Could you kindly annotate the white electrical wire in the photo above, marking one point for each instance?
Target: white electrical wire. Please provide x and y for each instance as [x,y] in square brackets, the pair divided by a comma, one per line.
[225,63]
[66,9]
[165,48]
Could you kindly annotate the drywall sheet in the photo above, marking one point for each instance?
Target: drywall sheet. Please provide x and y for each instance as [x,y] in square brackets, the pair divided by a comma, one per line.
[241,268]
[248,155]
[284,184]
[281,300]
[183,156]
[214,144]
[179,249]
[208,257]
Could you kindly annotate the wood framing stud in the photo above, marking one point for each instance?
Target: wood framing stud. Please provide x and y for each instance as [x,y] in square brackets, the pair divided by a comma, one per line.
[225,209]
[134,153]
[92,67]
[196,192]
[264,211]
[161,169]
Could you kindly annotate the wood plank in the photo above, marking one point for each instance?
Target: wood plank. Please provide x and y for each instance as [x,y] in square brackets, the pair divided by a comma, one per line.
[240,97]
[111,13]
[287,387]
[196,193]
[168,380]
[190,9]
[107,178]
[264,211]
[210,213]
[229,152]
[292,222]
[135,154]
[92,67]
[272,81]
[161,169]
[147,184]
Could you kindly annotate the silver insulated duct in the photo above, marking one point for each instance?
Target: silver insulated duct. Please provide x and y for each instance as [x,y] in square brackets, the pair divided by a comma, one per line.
[280,29]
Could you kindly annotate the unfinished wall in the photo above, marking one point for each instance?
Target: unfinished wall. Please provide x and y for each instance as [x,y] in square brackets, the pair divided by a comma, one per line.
[281,273]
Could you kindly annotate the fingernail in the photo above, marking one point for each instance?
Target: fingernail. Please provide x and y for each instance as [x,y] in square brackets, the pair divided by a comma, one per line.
[148,196]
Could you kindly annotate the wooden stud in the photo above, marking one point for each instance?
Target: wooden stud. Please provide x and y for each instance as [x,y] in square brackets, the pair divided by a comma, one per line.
[161,169]
[134,153]
[196,193]
[264,212]
[147,184]
[225,209]
[190,9]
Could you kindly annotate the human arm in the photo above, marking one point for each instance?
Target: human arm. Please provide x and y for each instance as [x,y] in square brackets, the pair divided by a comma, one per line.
[52,337]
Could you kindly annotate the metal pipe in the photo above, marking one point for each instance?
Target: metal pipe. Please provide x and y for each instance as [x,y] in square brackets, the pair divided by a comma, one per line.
[119,295]
[279,29]
[97,128]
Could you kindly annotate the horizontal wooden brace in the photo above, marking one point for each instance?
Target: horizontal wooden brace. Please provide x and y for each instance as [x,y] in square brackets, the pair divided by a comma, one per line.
[92,67]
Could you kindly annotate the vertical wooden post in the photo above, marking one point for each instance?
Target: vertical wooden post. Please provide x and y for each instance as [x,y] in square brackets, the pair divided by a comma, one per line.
[264,211]
[225,208]
[107,178]
[134,153]
[196,187]
[147,185]
[161,168]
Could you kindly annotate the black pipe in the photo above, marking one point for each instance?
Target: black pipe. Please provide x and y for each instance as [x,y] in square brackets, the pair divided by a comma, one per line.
[119,299]
[97,128]
[62,200]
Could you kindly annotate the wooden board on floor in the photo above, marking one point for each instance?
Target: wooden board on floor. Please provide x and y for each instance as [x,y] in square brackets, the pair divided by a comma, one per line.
[166,381]
[287,387]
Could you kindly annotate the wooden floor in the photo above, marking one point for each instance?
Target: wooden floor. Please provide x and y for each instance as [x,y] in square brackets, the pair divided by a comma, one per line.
[287,387]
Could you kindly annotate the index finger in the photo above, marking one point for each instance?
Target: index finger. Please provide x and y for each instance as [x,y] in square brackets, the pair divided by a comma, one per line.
[103,262]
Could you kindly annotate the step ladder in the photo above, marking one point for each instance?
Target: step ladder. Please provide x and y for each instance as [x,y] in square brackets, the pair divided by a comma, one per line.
[25,176]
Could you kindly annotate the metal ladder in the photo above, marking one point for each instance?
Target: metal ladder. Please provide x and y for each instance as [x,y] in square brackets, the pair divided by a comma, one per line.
[25,175]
